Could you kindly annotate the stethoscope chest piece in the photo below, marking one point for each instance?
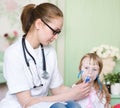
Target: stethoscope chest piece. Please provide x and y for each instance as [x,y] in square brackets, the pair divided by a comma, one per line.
[45,75]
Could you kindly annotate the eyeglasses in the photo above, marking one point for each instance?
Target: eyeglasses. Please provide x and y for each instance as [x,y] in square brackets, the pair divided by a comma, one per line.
[54,31]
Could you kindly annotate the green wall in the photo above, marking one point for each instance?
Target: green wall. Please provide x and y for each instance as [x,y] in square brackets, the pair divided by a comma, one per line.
[88,23]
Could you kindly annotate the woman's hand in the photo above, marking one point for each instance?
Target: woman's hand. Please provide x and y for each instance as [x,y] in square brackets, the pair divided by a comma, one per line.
[81,90]
[77,92]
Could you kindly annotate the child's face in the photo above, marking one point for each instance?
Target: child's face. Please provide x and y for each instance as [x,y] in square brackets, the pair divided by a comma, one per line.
[90,68]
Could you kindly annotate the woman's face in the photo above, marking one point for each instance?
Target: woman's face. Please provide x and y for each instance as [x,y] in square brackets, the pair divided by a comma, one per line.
[50,30]
[90,69]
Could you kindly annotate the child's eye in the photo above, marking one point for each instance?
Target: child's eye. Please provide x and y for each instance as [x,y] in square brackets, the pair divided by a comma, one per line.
[94,69]
[86,67]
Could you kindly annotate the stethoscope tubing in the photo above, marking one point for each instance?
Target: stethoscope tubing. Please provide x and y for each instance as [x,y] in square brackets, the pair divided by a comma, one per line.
[25,50]
[44,63]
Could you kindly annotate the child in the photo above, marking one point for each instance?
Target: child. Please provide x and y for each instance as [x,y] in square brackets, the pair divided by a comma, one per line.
[90,68]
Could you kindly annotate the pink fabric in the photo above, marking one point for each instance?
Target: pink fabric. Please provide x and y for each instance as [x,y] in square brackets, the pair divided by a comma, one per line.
[91,98]
[117,106]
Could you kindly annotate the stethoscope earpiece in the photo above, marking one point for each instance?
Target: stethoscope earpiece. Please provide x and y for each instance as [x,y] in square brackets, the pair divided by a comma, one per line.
[38,86]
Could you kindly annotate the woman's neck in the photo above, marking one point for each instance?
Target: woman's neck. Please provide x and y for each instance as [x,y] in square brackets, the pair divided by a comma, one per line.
[32,39]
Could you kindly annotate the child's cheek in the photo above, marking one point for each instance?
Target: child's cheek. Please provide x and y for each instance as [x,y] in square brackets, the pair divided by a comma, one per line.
[94,76]
[84,75]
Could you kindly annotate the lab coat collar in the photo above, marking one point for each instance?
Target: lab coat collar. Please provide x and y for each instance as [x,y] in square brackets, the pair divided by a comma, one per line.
[38,59]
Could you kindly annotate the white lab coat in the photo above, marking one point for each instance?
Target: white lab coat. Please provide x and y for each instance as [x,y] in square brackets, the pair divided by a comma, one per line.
[19,78]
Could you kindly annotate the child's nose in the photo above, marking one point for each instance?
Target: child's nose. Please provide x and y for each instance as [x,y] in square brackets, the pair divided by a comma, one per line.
[90,71]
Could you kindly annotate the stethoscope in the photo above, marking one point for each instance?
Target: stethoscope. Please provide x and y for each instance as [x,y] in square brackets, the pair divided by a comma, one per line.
[45,74]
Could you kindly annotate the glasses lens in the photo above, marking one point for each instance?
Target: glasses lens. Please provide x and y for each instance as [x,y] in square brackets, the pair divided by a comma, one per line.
[56,32]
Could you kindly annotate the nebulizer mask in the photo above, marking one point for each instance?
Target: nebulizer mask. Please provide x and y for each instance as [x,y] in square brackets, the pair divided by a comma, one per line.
[89,78]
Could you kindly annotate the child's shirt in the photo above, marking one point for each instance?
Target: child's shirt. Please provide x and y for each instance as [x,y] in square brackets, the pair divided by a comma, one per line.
[92,101]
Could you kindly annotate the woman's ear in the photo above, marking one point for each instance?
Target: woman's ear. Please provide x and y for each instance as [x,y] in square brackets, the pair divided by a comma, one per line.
[38,24]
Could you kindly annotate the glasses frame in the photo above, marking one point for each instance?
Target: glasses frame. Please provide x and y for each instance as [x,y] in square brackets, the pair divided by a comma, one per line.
[54,31]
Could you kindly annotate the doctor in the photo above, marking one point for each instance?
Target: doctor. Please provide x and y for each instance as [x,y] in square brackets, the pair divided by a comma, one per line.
[30,64]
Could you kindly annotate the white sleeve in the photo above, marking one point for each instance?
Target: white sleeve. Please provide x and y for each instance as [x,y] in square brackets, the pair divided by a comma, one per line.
[13,69]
